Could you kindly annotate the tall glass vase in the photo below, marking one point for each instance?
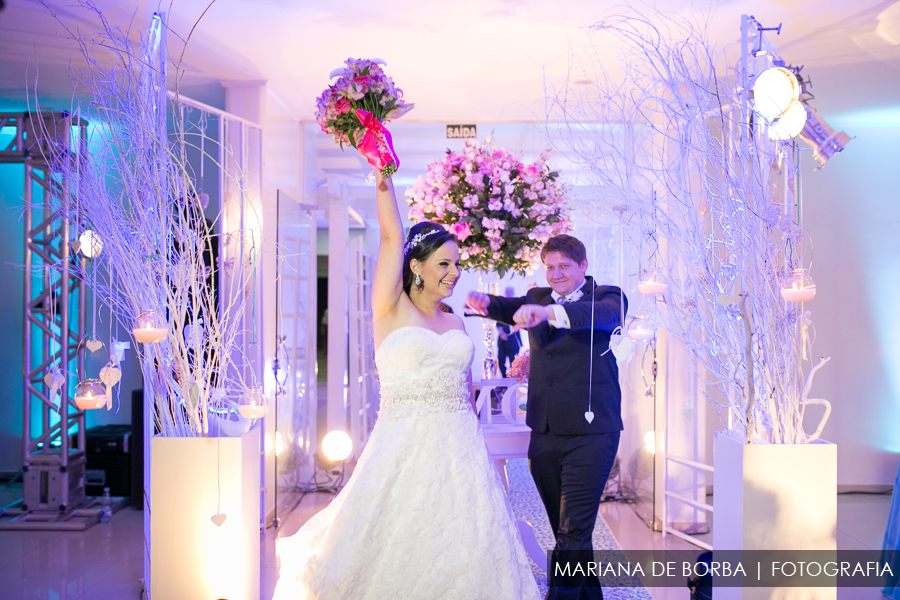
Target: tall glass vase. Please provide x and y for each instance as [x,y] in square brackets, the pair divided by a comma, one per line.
[489,363]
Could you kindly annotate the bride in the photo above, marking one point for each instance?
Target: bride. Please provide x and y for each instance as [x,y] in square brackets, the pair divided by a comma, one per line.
[424,515]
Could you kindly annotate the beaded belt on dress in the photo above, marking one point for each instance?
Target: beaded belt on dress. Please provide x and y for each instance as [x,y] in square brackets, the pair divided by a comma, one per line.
[445,392]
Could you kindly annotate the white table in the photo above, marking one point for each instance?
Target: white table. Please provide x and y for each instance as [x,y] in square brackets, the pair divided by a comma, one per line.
[508,438]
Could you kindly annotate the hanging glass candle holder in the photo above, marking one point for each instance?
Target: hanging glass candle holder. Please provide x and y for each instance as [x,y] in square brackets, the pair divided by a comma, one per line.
[652,282]
[798,286]
[90,394]
[150,327]
[640,329]
[253,404]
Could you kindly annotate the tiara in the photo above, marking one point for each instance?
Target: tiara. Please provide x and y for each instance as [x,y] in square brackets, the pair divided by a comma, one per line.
[416,239]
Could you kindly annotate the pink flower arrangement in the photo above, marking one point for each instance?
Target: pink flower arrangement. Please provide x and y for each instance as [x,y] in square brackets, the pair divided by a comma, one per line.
[519,367]
[355,107]
[500,210]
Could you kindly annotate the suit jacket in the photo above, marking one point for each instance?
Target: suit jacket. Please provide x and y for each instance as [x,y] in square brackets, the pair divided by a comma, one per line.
[562,374]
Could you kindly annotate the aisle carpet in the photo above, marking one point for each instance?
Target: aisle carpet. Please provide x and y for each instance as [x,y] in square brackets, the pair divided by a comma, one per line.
[526,504]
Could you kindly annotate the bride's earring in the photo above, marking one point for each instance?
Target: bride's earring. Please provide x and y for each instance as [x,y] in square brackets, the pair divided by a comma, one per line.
[418,280]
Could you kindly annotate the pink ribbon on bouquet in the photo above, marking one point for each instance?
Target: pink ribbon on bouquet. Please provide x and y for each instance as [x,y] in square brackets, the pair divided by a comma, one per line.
[376,145]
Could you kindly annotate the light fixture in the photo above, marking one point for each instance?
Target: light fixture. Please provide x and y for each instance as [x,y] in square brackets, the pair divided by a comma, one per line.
[150,327]
[650,442]
[652,282]
[640,329]
[775,91]
[279,443]
[824,141]
[798,286]
[90,244]
[90,394]
[253,404]
[790,124]
[337,446]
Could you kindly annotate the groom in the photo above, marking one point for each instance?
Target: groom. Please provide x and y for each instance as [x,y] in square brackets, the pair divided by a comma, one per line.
[573,398]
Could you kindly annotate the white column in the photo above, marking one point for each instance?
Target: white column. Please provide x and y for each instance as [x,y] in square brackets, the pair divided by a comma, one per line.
[338,242]
[248,99]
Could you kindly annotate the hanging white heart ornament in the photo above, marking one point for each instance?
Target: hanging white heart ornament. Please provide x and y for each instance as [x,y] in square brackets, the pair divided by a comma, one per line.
[589,415]
[621,348]
[94,345]
[110,375]
[689,413]
[218,519]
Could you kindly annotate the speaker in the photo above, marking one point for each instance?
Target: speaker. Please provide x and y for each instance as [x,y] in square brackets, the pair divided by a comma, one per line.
[137,449]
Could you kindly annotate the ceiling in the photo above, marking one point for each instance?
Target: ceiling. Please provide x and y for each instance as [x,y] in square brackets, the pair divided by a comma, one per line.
[468,61]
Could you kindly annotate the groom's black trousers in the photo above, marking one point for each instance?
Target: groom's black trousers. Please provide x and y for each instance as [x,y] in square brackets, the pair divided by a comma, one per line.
[570,472]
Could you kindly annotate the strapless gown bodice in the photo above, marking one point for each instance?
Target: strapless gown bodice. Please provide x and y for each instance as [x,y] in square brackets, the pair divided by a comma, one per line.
[422,371]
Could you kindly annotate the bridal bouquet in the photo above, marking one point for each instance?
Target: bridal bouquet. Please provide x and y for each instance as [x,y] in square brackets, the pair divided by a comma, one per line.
[355,107]
[500,210]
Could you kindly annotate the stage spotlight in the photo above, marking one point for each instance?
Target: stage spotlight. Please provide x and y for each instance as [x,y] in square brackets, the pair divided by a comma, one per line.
[790,124]
[775,91]
[824,141]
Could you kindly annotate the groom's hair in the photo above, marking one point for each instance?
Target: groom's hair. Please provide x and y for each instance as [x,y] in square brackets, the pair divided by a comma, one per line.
[432,236]
[567,246]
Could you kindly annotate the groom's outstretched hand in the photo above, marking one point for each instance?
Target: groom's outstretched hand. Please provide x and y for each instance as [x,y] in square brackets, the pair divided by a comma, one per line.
[530,315]
[478,302]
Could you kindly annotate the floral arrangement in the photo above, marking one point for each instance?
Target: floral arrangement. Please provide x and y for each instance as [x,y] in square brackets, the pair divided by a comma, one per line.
[355,107]
[501,210]
[520,366]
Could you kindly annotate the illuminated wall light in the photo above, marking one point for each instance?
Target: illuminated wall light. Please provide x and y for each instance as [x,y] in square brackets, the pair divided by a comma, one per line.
[650,442]
[90,244]
[279,443]
[337,446]
[775,91]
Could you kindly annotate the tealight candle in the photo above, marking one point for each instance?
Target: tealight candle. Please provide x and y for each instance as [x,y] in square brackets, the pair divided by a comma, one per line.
[90,394]
[651,288]
[798,286]
[798,295]
[150,327]
[252,411]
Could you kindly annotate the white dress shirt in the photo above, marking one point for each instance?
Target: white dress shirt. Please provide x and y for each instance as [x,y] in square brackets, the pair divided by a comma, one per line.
[560,319]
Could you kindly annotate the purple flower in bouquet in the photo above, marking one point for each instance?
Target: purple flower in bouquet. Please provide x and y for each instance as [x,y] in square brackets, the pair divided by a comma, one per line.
[355,107]
[500,210]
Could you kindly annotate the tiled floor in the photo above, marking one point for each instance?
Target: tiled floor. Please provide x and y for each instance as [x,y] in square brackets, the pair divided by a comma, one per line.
[106,561]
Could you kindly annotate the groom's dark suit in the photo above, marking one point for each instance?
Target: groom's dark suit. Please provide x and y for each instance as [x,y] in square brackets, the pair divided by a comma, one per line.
[570,458]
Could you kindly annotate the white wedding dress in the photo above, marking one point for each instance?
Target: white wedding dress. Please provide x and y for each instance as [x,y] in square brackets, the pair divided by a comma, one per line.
[424,515]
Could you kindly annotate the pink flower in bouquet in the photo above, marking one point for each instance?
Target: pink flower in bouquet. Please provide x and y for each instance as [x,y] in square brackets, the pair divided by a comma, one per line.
[341,106]
[509,209]
[461,231]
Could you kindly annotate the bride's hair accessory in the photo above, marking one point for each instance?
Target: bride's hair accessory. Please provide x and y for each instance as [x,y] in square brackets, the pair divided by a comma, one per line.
[418,238]
[418,280]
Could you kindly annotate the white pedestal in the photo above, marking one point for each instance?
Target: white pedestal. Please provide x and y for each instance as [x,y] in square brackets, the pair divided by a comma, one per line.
[774,497]
[190,557]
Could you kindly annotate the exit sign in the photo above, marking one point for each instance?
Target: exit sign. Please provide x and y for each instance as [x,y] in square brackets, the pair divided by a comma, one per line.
[461,131]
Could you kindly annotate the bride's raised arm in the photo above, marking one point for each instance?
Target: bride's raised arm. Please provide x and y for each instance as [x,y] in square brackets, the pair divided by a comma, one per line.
[387,284]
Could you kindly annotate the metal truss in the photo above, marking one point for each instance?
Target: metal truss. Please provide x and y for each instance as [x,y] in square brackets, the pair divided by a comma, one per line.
[53,437]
